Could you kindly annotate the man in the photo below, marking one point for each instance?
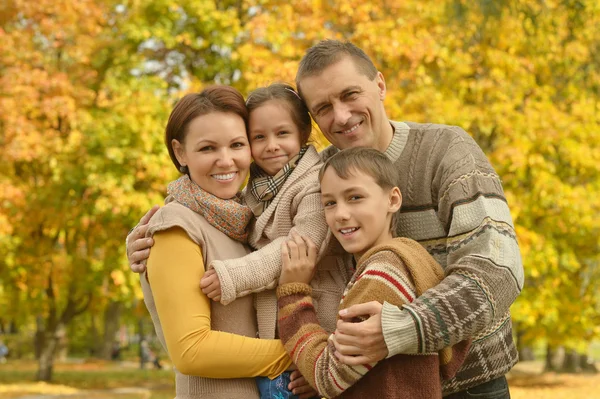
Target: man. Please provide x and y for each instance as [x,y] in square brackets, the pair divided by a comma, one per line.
[453,204]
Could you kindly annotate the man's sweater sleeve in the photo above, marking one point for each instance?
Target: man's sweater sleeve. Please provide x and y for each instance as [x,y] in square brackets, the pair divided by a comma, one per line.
[307,343]
[484,273]
[260,270]
[174,269]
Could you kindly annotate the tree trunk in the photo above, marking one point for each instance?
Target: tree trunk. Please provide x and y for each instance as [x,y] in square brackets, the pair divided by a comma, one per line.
[525,351]
[112,316]
[571,363]
[95,345]
[46,361]
[554,358]
[587,364]
[526,354]
[39,338]
[62,344]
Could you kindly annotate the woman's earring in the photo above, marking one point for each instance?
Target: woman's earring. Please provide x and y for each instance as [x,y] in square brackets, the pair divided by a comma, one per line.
[183,169]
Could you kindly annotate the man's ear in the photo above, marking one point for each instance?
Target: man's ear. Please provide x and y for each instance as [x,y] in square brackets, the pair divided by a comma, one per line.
[179,152]
[395,200]
[380,80]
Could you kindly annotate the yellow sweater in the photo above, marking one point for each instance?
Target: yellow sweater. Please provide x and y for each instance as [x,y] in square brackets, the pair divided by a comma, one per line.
[182,313]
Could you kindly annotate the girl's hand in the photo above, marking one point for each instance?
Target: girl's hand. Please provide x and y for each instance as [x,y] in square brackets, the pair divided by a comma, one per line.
[210,285]
[298,260]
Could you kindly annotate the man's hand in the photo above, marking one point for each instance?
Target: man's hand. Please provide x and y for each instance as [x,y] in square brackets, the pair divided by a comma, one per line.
[298,260]
[138,246]
[300,387]
[360,343]
[210,285]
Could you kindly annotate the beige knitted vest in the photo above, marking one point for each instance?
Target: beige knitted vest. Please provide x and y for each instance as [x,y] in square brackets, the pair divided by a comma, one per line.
[238,317]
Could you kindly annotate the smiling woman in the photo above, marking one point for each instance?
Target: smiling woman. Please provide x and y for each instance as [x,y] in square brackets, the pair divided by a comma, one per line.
[204,220]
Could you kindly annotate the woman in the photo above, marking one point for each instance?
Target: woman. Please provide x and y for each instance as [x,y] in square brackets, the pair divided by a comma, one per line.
[203,220]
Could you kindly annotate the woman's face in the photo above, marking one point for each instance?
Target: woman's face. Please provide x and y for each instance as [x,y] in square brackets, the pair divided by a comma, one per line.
[216,152]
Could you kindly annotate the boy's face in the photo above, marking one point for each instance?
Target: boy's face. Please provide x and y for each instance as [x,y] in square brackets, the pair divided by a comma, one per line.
[358,211]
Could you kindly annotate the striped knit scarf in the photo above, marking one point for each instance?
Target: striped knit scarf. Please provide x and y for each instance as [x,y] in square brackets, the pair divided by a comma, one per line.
[229,216]
[264,187]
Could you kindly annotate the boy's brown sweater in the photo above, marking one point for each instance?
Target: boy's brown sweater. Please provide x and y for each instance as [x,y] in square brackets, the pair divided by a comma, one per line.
[396,272]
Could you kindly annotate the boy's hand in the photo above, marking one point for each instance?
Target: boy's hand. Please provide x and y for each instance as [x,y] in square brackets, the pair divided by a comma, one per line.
[138,246]
[298,259]
[210,285]
[300,387]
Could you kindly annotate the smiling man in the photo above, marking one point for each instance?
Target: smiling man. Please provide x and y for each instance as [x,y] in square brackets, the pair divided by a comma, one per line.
[453,204]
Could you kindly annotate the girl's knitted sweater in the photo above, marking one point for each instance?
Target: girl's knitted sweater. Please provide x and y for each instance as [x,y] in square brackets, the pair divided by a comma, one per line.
[296,207]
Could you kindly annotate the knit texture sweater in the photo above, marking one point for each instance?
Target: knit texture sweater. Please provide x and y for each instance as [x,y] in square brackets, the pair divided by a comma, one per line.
[296,208]
[395,272]
[454,206]
[202,337]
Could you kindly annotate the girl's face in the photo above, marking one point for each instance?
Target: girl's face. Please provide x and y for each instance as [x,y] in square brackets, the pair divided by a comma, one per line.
[216,152]
[274,137]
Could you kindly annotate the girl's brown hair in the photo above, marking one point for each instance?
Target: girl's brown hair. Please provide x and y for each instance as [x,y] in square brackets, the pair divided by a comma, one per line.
[285,92]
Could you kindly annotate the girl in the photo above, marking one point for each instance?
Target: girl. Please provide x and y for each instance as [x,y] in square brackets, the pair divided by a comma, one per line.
[284,195]
[203,221]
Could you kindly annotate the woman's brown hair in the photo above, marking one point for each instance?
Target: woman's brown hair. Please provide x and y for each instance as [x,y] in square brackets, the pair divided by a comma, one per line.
[191,106]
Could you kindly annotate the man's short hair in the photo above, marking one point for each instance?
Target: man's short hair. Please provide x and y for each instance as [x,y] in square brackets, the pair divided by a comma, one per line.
[328,52]
[369,161]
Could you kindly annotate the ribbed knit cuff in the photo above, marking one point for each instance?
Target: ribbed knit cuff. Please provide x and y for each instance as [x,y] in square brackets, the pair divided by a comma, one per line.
[293,288]
[228,293]
[399,330]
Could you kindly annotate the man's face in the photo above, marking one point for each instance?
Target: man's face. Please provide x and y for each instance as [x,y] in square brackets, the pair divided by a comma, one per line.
[348,106]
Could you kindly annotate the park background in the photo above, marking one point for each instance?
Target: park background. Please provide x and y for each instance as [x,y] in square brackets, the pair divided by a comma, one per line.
[86,87]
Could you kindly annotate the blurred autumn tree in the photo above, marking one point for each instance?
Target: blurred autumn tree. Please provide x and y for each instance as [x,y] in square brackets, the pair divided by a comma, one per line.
[86,87]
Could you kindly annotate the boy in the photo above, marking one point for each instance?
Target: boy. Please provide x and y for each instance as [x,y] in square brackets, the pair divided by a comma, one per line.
[359,191]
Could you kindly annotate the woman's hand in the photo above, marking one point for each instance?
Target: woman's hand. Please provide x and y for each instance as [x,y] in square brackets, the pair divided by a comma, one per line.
[210,285]
[298,259]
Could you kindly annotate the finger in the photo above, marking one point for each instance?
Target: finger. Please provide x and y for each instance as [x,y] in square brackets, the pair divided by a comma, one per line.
[295,375]
[305,388]
[293,250]
[347,350]
[285,256]
[217,298]
[361,309]
[296,383]
[137,268]
[213,288]
[214,295]
[352,360]
[141,244]
[139,256]
[305,391]
[146,218]
[300,243]
[207,280]
[211,293]
[311,249]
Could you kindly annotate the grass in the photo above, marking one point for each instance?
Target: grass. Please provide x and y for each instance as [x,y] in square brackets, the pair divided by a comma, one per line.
[528,381]
[92,379]
[99,380]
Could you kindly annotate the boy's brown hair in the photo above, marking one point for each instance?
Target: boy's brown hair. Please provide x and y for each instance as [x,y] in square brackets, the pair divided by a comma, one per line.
[368,161]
